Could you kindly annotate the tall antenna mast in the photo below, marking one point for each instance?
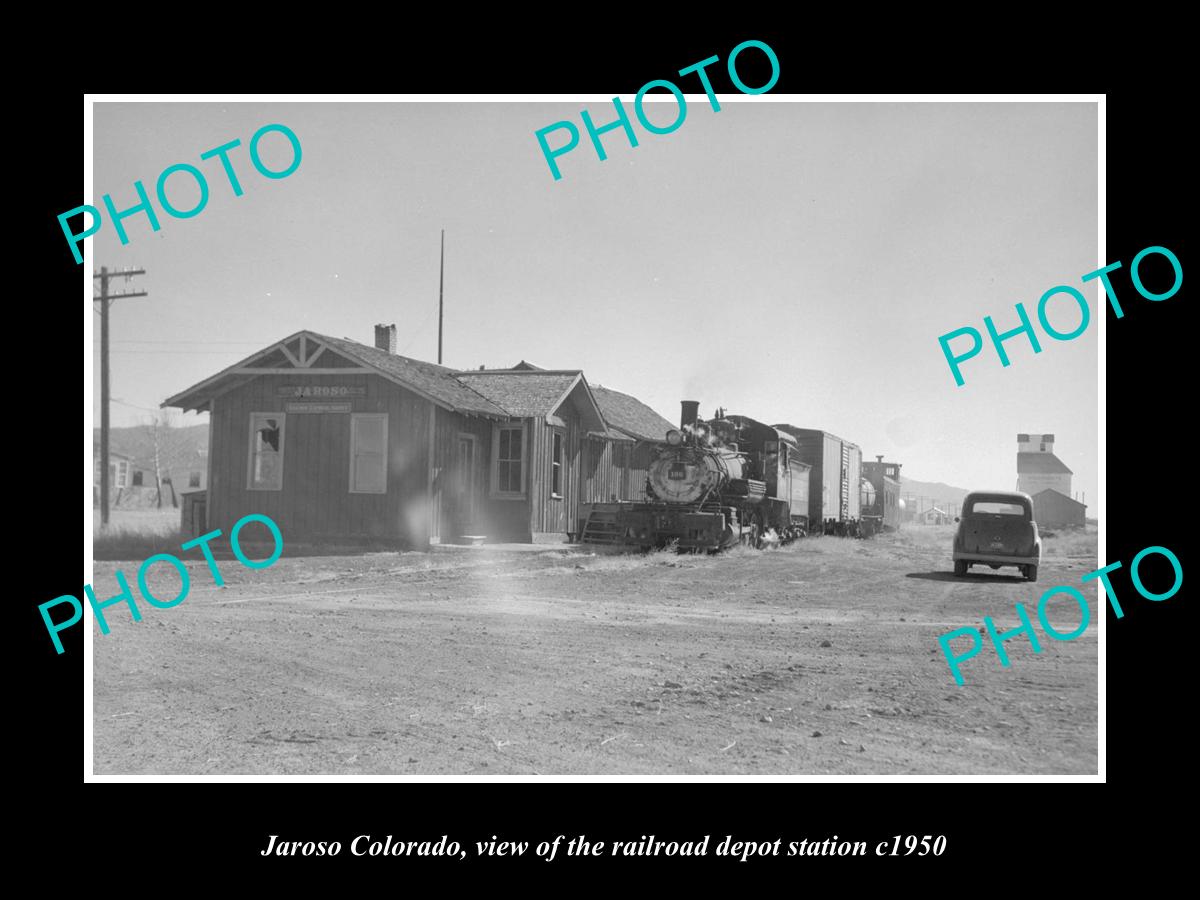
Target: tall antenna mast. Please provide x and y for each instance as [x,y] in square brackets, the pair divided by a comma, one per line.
[441,285]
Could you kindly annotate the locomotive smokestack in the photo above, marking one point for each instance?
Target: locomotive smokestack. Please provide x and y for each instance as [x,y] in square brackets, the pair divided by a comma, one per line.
[690,409]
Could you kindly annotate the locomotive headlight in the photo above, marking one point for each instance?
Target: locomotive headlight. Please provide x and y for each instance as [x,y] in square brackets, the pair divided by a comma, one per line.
[674,438]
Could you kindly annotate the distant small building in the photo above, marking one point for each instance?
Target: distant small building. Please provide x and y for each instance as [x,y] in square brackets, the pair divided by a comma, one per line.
[1054,509]
[123,473]
[933,516]
[131,465]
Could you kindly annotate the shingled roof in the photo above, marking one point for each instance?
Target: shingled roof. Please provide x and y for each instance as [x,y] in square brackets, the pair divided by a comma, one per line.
[521,393]
[1059,496]
[630,416]
[438,382]
[1041,464]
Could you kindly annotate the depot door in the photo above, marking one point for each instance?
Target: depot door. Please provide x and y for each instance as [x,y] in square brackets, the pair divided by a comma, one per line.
[465,485]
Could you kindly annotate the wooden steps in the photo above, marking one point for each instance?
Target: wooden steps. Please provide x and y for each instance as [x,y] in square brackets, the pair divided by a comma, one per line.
[603,526]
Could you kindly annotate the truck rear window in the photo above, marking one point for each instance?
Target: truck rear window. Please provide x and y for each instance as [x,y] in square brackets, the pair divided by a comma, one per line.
[990,507]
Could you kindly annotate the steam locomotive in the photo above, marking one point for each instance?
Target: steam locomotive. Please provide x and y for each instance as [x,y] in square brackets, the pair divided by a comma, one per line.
[715,484]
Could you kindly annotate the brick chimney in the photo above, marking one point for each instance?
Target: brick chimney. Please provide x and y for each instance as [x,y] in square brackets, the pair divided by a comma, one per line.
[385,338]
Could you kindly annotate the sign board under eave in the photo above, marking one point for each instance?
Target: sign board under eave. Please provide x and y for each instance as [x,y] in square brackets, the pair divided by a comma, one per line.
[318,407]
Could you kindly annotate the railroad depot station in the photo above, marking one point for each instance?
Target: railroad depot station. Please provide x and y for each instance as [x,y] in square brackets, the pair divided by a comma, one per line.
[342,442]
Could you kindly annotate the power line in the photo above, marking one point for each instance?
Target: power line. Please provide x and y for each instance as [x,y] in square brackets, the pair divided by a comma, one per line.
[183,352]
[416,334]
[185,341]
[133,405]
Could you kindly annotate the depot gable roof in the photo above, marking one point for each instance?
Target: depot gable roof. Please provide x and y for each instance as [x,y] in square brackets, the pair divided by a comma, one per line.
[630,417]
[309,353]
[533,392]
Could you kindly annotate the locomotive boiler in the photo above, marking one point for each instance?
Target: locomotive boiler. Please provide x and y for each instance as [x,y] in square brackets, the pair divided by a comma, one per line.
[716,483]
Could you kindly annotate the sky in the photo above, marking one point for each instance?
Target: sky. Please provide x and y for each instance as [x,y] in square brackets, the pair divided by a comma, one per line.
[793,262]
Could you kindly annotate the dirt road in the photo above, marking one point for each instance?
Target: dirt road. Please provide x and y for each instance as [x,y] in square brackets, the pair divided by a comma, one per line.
[818,658]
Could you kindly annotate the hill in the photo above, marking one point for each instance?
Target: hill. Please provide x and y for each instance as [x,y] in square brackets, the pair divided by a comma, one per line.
[932,493]
[176,446]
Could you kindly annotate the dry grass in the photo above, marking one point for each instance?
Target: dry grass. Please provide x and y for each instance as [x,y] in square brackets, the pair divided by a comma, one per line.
[1071,543]
[924,536]
[135,534]
[135,544]
[629,560]
[143,520]
[1065,543]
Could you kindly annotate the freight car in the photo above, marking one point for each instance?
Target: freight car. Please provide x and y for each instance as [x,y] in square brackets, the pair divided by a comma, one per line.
[834,499]
[880,501]
[717,483]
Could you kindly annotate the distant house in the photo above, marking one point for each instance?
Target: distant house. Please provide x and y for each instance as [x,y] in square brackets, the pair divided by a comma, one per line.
[1055,509]
[123,473]
[339,441]
[182,464]
[933,516]
[190,472]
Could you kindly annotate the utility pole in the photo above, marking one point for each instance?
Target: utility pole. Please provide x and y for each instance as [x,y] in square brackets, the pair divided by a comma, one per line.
[441,284]
[157,464]
[105,299]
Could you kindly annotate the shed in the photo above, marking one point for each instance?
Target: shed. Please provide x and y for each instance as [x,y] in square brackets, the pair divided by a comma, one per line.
[1054,509]
[933,516]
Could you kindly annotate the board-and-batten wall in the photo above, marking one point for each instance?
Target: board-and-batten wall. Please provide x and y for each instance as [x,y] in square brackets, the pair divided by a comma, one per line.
[315,502]
[552,514]
[613,470]
[594,470]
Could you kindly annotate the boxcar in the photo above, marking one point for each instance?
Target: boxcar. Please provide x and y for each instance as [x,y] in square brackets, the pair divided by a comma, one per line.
[835,478]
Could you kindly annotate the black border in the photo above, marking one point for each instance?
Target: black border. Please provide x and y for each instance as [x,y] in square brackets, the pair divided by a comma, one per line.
[988,827]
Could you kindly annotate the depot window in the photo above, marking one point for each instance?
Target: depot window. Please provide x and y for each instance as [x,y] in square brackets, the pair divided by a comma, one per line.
[266,452]
[368,453]
[556,466]
[508,462]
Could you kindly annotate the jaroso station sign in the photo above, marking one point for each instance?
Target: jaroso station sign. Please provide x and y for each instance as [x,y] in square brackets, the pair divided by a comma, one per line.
[320,398]
[321,391]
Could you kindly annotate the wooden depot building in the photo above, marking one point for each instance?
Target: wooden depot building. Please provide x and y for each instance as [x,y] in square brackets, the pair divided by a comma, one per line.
[340,442]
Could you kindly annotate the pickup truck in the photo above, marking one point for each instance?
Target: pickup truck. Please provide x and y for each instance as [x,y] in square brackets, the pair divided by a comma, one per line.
[996,529]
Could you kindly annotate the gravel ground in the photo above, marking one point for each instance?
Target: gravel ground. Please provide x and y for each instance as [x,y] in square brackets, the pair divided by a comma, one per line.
[817,658]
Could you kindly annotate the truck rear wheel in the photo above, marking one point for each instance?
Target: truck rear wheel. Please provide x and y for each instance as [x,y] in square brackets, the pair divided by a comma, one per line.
[1031,573]
[960,568]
